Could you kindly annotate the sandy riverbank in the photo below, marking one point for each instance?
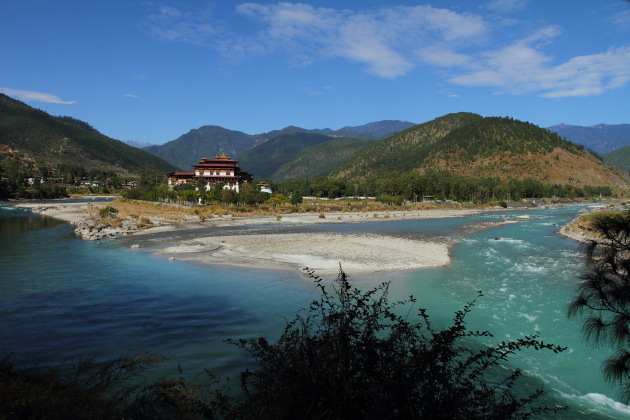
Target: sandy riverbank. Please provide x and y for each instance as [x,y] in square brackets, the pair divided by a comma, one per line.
[320,251]
[323,252]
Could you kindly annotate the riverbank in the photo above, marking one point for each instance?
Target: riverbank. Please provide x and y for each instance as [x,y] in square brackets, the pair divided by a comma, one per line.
[148,218]
[323,252]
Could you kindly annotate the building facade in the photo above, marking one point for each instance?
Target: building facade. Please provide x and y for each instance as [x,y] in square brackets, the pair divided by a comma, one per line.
[221,169]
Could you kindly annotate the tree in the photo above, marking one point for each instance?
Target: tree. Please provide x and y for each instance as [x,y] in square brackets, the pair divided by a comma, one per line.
[148,176]
[296,199]
[604,294]
[353,354]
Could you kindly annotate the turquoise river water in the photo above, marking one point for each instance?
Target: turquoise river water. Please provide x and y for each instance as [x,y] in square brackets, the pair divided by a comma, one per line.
[62,297]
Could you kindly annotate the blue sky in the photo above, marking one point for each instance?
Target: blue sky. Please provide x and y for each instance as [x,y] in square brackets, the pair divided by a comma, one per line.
[151,71]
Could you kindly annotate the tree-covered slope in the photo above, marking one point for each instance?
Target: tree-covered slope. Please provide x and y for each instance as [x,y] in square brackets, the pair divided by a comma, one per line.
[619,157]
[468,144]
[264,160]
[403,151]
[67,140]
[319,160]
[207,141]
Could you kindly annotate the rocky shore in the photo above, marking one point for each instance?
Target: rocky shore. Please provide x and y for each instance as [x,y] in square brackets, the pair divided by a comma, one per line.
[78,214]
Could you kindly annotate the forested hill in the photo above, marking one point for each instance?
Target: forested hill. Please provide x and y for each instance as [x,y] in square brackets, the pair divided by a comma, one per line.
[67,140]
[319,160]
[619,157]
[468,144]
[264,160]
[206,141]
[402,151]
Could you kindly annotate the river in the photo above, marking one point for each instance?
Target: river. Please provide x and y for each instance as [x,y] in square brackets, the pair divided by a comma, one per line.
[63,298]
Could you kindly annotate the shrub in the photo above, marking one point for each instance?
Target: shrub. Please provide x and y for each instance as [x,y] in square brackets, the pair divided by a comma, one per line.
[352,355]
[107,211]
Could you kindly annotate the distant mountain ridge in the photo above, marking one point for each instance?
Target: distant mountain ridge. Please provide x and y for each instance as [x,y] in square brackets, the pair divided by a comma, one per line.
[67,140]
[212,140]
[601,138]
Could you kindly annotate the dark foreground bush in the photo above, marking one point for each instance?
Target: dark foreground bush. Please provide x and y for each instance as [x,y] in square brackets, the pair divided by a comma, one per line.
[355,355]
[351,355]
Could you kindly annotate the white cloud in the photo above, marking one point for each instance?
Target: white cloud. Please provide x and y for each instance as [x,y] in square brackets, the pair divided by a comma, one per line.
[384,39]
[130,95]
[31,96]
[522,69]
[392,41]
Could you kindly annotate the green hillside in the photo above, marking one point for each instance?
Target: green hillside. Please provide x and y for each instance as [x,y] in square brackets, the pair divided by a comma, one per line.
[264,160]
[207,141]
[67,140]
[471,145]
[619,157]
[319,160]
[403,151]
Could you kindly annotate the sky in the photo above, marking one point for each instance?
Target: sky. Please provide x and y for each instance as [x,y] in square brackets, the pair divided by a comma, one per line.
[150,71]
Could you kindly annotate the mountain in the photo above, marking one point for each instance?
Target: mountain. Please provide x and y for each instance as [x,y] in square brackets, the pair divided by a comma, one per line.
[468,144]
[619,157]
[373,131]
[67,140]
[262,161]
[261,138]
[138,144]
[602,138]
[320,159]
[207,141]
[376,130]
[400,152]
[211,140]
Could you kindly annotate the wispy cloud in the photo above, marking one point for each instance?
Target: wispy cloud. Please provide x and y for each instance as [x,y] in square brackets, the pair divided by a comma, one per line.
[507,6]
[130,95]
[521,68]
[621,19]
[31,96]
[393,41]
[386,40]
[172,24]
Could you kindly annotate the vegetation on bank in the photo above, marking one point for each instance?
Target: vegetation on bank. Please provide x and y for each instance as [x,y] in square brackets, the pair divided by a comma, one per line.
[351,354]
[22,177]
[394,188]
[438,185]
[603,294]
